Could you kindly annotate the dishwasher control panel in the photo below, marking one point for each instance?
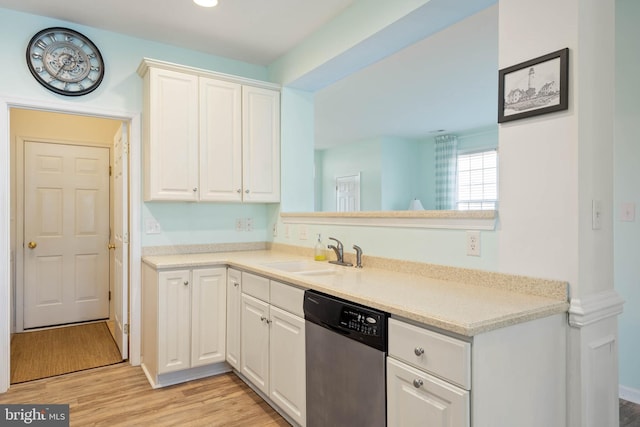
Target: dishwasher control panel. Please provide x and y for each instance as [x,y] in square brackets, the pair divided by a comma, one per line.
[361,321]
[354,321]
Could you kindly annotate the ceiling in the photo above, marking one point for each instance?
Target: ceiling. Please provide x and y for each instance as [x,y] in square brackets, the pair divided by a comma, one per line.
[254,31]
[447,80]
[445,83]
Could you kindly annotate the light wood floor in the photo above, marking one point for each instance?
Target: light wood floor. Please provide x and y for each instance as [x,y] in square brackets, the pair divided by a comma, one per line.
[119,395]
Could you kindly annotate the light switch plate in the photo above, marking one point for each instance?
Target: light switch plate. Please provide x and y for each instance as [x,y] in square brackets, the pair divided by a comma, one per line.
[596,214]
[628,212]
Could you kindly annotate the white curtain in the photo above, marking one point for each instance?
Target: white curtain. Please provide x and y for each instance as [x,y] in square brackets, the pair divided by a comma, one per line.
[446,171]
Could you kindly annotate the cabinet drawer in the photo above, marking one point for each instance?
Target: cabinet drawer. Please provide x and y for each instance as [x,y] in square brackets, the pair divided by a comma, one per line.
[415,398]
[256,286]
[443,356]
[287,297]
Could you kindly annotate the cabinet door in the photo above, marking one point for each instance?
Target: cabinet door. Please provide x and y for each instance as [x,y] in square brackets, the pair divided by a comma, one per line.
[171,136]
[208,316]
[261,144]
[415,398]
[287,370]
[220,140]
[174,318]
[254,345]
[234,303]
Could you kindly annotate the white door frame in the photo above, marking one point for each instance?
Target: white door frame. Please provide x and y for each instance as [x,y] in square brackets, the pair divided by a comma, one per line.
[134,214]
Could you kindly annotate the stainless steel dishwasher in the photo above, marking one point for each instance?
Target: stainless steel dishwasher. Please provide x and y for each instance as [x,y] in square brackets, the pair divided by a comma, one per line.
[346,347]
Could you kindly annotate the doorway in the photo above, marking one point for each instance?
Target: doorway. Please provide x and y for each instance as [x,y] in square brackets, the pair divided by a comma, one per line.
[348,193]
[96,218]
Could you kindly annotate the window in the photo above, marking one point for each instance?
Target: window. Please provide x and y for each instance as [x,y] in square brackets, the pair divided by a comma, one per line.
[477,180]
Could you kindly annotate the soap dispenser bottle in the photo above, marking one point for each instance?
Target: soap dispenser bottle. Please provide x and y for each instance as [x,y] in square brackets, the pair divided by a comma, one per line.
[319,253]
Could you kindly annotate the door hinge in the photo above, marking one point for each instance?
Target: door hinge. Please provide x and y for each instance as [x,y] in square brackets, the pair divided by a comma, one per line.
[109,170]
[126,329]
[109,295]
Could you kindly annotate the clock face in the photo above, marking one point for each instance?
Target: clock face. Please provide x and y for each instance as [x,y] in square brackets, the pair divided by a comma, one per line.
[65,61]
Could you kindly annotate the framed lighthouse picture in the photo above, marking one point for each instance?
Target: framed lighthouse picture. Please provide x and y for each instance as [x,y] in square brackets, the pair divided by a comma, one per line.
[538,86]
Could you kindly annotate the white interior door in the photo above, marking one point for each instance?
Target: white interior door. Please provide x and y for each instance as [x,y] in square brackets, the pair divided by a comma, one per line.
[348,193]
[120,236]
[66,234]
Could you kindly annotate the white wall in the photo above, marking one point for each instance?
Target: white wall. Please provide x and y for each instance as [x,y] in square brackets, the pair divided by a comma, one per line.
[627,190]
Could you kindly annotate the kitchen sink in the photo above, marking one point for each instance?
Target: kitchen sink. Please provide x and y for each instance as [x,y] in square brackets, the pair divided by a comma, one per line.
[302,267]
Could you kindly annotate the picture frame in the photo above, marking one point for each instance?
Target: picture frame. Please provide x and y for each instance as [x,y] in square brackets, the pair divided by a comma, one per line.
[534,87]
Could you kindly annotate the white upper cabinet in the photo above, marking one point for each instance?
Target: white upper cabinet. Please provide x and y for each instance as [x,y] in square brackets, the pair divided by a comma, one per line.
[208,136]
[170,135]
[261,144]
[220,140]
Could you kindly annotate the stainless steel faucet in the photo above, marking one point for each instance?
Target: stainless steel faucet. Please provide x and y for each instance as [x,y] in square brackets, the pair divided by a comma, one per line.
[338,248]
[358,250]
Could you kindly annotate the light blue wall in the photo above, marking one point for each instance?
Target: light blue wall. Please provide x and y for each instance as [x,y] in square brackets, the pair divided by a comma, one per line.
[121,90]
[627,187]
[400,173]
[395,170]
[360,157]
[296,147]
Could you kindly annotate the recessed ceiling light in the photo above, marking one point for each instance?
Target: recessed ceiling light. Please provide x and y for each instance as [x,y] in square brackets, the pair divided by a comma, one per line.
[206,3]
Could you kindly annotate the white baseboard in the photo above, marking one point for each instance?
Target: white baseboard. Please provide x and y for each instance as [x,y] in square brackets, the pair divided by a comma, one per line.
[629,394]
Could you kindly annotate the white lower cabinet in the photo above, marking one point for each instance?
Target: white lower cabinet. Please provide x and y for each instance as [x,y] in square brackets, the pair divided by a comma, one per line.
[184,323]
[415,394]
[415,398]
[273,343]
[510,376]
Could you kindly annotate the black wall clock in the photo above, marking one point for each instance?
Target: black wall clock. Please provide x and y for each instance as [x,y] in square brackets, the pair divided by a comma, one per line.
[65,61]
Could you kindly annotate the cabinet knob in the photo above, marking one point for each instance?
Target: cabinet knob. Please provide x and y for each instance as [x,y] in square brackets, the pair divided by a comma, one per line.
[186,282]
[262,318]
[32,245]
[239,190]
[417,383]
[246,191]
[419,351]
[236,284]
[195,189]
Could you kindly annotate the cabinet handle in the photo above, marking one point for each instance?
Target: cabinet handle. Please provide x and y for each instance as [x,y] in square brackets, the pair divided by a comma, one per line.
[417,383]
[186,282]
[264,319]
[419,351]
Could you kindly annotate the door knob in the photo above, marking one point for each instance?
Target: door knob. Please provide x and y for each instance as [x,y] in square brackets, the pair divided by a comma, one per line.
[111,246]
[32,245]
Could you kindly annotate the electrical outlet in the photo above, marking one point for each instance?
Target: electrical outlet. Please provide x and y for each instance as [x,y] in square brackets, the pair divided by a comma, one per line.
[240,224]
[249,224]
[286,231]
[152,226]
[302,232]
[275,230]
[473,243]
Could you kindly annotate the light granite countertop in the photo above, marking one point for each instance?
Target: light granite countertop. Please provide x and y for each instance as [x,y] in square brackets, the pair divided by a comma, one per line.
[467,303]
